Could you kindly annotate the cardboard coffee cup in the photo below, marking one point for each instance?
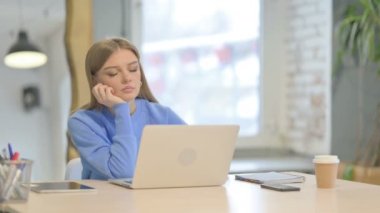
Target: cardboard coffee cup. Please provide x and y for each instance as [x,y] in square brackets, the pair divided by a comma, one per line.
[326,170]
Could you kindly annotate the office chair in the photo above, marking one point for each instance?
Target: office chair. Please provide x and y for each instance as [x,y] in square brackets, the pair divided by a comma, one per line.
[74,169]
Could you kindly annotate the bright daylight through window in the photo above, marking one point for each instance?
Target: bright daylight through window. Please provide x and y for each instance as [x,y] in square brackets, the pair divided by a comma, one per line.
[201,57]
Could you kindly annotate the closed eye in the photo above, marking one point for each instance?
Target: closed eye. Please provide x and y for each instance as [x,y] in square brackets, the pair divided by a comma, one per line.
[112,74]
[133,67]
[132,70]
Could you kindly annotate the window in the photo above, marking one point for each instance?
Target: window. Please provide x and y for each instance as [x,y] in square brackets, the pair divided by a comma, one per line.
[202,59]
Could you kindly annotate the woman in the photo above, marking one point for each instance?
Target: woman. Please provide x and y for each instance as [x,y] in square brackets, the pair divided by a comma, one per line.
[107,131]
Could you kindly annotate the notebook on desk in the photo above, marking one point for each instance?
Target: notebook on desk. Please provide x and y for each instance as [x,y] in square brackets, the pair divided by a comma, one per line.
[183,156]
[270,177]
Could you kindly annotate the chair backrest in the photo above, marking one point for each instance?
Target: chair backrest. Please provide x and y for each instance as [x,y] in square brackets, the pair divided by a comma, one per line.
[74,169]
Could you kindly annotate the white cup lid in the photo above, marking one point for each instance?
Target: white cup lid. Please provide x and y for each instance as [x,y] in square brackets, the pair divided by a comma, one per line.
[326,159]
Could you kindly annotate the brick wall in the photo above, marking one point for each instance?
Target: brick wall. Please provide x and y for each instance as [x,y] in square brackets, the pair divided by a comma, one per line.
[308,48]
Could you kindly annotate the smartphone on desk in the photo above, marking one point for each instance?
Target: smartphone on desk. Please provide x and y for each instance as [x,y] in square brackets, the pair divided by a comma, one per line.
[280,187]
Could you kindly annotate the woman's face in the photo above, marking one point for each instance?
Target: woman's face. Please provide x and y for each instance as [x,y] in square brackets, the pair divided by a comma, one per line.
[122,72]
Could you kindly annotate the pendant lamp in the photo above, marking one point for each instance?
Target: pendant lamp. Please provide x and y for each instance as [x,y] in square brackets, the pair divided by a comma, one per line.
[23,54]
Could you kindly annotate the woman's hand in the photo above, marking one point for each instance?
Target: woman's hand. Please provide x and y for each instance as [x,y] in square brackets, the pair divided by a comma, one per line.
[105,95]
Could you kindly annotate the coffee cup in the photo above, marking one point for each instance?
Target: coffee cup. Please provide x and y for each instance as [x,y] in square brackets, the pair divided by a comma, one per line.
[326,170]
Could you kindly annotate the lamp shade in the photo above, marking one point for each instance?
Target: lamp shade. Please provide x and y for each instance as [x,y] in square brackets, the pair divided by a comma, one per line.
[24,55]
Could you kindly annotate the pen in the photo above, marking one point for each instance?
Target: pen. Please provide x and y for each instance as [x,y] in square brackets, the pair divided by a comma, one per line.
[10,175]
[3,174]
[5,155]
[10,151]
[11,181]
[15,156]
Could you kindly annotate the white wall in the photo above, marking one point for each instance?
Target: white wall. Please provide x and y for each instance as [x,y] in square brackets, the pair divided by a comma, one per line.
[59,101]
[38,135]
[273,59]
[27,131]
[296,70]
[308,74]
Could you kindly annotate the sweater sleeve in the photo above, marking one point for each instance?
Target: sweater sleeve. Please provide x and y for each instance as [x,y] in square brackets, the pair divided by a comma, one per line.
[173,118]
[110,159]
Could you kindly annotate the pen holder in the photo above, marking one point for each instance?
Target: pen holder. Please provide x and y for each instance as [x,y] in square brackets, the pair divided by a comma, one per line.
[15,180]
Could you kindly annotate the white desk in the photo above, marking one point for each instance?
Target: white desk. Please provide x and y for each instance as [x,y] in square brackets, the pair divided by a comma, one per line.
[234,196]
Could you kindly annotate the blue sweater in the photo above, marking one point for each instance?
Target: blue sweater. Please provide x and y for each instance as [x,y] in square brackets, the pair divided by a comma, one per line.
[108,142]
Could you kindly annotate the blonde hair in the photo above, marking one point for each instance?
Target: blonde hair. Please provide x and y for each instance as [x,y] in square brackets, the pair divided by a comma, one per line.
[98,54]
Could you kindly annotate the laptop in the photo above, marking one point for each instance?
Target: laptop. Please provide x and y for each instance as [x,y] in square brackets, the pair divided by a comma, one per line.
[183,156]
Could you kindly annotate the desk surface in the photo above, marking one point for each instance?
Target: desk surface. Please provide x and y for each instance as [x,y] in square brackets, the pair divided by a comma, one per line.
[234,196]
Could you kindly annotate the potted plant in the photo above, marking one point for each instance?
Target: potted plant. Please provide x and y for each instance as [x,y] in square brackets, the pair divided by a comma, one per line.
[358,36]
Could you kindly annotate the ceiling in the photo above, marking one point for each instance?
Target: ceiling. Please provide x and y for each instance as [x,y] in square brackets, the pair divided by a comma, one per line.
[39,18]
